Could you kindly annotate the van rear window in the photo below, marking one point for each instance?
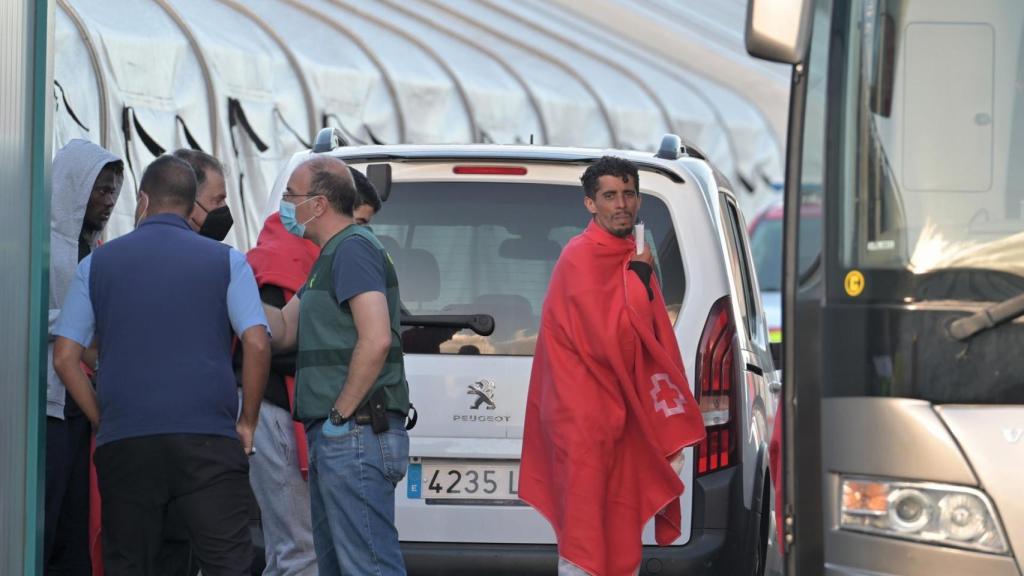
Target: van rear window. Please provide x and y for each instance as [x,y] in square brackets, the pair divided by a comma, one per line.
[489,248]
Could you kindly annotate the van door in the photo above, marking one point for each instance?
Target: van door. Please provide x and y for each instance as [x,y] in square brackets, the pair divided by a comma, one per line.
[755,399]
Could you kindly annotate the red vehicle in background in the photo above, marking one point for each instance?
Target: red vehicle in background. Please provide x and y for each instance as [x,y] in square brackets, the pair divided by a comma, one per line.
[766,249]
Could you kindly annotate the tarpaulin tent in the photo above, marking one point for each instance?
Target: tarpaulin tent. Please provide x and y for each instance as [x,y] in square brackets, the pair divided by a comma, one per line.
[251,81]
[570,108]
[692,114]
[434,104]
[156,91]
[499,100]
[78,90]
[264,105]
[350,87]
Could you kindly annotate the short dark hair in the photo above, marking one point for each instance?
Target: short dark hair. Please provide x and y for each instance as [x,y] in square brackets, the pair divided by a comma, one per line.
[330,178]
[609,166]
[200,162]
[169,182]
[365,192]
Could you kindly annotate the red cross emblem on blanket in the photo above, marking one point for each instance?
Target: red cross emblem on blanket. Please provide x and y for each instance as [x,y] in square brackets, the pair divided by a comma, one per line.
[667,398]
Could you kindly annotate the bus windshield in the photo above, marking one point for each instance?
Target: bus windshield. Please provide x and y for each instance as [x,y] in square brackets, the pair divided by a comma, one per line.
[933,174]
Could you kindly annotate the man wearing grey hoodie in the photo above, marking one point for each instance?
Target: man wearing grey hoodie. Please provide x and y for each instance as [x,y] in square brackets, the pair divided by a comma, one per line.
[86,182]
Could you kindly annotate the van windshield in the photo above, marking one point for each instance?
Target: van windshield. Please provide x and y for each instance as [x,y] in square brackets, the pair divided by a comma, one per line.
[490,248]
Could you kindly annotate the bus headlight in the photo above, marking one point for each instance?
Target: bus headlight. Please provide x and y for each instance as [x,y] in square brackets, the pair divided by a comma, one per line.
[922,511]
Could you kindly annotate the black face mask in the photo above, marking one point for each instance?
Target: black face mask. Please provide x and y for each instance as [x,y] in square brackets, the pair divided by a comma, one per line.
[217,224]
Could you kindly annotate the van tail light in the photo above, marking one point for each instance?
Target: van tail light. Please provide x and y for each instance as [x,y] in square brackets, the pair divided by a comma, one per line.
[716,390]
[491,170]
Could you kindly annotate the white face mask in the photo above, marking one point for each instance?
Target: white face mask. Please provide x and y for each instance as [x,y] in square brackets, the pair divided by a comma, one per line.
[287,210]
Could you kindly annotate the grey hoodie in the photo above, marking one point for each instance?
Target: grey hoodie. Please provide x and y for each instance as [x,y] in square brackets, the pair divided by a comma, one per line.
[75,168]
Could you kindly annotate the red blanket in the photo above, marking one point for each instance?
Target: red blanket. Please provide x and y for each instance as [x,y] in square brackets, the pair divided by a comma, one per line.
[282,259]
[608,404]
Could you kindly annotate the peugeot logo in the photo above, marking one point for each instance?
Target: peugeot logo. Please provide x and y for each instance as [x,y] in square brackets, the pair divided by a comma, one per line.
[484,392]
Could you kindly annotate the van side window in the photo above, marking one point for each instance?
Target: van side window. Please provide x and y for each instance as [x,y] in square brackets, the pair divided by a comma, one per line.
[744,293]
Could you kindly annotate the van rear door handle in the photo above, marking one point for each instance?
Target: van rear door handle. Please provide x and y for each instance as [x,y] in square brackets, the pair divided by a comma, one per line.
[755,369]
[775,387]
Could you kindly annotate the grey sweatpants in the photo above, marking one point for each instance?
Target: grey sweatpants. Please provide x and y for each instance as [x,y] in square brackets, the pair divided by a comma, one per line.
[283,496]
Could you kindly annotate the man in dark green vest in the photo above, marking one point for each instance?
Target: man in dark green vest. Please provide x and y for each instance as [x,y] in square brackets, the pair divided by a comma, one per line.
[350,378]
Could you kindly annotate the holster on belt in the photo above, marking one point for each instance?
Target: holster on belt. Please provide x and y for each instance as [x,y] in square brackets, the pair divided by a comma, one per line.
[374,413]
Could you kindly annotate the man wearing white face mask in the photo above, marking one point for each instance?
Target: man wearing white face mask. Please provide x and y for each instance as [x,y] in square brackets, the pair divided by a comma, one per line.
[279,469]
[351,391]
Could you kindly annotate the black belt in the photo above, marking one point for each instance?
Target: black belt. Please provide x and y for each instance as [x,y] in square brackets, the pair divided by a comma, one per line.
[362,415]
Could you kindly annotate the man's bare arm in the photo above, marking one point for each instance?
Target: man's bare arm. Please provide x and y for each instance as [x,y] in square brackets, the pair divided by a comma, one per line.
[67,361]
[373,324]
[284,325]
[255,367]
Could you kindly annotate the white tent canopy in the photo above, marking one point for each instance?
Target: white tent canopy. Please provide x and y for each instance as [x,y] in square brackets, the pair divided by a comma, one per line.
[264,105]
[251,81]
[691,113]
[156,95]
[499,101]
[432,101]
[350,89]
[705,37]
[77,86]
[570,110]
[638,117]
[748,151]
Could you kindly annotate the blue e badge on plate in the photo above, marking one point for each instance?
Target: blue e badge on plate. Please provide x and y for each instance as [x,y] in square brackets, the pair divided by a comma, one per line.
[413,481]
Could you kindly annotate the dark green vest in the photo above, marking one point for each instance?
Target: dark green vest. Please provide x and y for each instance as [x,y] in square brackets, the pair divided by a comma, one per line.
[327,337]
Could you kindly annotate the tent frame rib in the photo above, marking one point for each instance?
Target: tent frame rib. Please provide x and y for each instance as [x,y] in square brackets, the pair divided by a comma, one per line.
[307,93]
[101,84]
[389,81]
[508,68]
[429,51]
[204,65]
[602,107]
[644,86]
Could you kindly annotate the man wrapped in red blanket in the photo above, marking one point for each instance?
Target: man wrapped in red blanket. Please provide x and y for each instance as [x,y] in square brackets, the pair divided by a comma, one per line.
[609,406]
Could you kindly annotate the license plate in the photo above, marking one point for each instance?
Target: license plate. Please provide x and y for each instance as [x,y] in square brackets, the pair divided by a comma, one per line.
[490,482]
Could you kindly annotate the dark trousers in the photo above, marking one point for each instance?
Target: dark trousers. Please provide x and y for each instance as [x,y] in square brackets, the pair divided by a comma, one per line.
[66,528]
[205,477]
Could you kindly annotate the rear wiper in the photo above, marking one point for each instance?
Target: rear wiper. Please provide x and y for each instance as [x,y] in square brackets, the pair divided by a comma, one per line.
[482,324]
[990,317]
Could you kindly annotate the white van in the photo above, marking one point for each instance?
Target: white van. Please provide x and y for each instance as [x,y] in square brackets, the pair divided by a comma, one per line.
[476,230]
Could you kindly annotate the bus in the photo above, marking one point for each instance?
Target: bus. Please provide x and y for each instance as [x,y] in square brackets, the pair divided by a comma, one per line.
[903,360]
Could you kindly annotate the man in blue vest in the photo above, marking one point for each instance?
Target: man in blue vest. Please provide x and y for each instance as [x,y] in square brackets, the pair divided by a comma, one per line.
[163,303]
[350,378]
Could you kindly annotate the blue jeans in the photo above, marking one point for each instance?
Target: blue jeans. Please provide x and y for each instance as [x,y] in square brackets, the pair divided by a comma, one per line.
[352,478]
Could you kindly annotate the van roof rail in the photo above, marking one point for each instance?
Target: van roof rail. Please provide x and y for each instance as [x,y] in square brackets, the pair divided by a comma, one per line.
[689,149]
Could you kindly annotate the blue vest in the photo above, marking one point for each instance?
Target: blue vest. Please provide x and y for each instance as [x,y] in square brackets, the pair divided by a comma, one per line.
[159,295]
